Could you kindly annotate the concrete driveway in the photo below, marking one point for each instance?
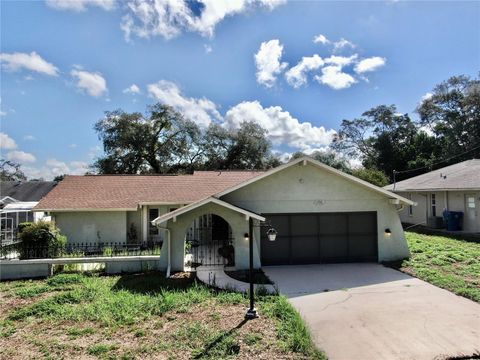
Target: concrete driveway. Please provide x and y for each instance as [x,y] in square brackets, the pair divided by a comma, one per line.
[368,311]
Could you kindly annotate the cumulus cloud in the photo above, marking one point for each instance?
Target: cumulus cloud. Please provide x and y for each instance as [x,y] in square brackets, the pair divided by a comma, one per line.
[20,156]
[93,83]
[169,18]
[370,64]
[268,62]
[132,89]
[321,39]
[29,137]
[80,5]
[297,75]
[281,126]
[208,48]
[54,167]
[202,111]
[342,44]
[6,142]
[334,77]
[341,60]
[22,61]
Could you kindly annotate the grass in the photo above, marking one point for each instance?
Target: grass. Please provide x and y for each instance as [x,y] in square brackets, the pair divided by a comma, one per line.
[445,262]
[144,315]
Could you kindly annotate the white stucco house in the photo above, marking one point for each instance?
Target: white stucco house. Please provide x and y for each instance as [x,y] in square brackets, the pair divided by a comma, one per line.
[453,188]
[320,214]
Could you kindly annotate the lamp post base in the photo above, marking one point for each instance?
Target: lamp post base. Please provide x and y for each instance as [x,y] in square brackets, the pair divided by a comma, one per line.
[251,314]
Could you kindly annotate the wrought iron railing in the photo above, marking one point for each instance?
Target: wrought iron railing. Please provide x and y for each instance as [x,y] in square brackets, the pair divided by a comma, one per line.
[24,251]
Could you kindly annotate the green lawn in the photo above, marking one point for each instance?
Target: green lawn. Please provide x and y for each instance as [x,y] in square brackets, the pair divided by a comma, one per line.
[144,316]
[448,263]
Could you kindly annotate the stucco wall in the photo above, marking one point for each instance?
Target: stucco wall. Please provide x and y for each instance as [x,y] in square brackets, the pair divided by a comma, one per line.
[451,200]
[93,227]
[307,188]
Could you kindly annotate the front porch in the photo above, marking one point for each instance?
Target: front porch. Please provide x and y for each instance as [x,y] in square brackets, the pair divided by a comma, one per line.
[208,244]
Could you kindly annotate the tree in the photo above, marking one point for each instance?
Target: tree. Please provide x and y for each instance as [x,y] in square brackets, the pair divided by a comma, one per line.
[373,176]
[11,171]
[384,139]
[158,142]
[329,158]
[244,148]
[452,112]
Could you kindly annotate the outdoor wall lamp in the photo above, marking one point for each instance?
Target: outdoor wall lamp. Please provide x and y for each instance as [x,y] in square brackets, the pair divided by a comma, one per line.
[272,234]
[246,237]
[388,232]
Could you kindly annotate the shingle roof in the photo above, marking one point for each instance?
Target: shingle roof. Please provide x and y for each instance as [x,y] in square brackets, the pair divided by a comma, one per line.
[128,191]
[26,190]
[461,176]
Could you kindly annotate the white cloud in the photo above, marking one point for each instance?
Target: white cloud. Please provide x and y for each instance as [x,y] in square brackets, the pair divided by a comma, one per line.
[20,156]
[33,62]
[54,167]
[3,113]
[321,39]
[169,18]
[341,44]
[208,48]
[132,89]
[6,142]
[341,60]
[201,111]
[297,75]
[92,83]
[427,96]
[29,137]
[80,5]
[72,146]
[427,129]
[369,64]
[268,62]
[282,127]
[334,77]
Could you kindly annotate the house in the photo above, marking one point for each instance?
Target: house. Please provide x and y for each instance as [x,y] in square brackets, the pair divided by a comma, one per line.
[17,199]
[320,214]
[452,188]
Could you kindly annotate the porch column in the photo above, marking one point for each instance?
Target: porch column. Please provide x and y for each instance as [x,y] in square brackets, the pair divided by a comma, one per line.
[144,223]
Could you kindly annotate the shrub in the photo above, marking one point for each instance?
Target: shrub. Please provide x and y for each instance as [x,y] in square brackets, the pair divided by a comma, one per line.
[41,239]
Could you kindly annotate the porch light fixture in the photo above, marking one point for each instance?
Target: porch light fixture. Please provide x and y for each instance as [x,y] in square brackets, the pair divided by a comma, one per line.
[388,232]
[272,234]
[246,237]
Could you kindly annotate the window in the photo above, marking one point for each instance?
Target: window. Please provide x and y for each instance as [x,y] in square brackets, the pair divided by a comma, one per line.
[152,215]
[471,202]
[433,203]
[410,207]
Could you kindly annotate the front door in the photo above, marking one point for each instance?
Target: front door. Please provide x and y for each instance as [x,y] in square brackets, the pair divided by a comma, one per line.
[471,213]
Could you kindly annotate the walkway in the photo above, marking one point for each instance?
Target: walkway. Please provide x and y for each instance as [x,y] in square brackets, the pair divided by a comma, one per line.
[215,276]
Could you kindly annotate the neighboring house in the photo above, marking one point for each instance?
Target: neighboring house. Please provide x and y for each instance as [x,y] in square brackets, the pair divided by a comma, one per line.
[321,214]
[452,188]
[17,199]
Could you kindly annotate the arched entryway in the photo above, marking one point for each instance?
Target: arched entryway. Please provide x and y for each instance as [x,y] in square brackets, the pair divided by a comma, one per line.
[209,242]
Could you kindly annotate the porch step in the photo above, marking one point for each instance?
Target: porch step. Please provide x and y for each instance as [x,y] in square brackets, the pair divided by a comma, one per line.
[215,276]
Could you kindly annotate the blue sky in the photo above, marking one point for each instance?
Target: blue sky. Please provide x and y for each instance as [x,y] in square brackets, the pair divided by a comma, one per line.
[66,62]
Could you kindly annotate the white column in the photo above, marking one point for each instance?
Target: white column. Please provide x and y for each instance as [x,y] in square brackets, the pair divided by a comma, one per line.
[144,223]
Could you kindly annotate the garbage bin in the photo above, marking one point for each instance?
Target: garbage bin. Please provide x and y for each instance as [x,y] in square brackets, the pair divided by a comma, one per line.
[454,220]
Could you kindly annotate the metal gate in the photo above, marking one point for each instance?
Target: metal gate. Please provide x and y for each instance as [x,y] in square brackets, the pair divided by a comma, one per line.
[209,242]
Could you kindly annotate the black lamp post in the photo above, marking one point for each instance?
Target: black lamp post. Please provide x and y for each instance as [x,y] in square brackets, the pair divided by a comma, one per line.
[272,235]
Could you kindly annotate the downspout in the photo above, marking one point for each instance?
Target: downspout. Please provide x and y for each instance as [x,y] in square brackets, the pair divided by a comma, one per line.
[167,274]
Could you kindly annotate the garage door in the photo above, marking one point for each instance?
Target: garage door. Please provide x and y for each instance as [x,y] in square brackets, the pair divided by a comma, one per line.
[321,238]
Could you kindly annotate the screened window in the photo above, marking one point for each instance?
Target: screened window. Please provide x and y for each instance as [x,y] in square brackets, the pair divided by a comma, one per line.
[152,215]
[433,203]
[471,202]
